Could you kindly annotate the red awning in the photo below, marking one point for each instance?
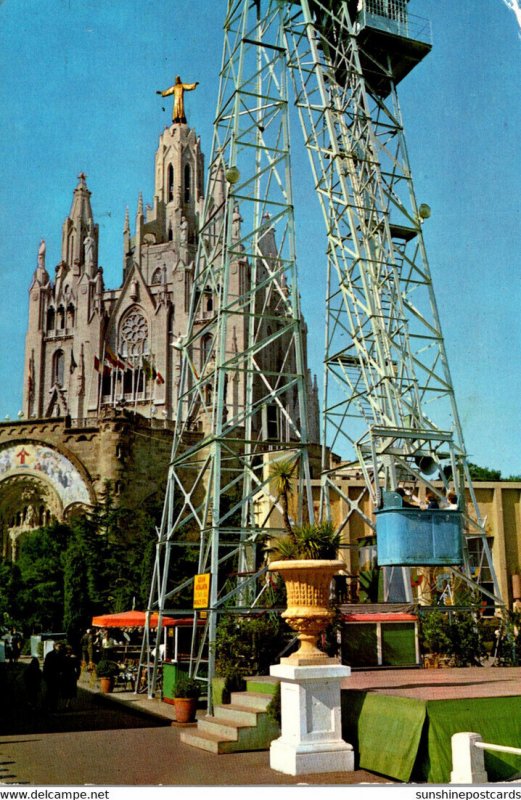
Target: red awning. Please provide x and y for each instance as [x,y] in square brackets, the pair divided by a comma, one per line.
[382,617]
[135,619]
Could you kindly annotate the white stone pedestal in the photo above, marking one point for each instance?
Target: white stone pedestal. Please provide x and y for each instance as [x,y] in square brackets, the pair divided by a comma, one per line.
[311,738]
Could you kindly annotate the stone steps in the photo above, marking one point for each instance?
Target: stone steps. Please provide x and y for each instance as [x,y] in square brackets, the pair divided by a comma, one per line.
[241,725]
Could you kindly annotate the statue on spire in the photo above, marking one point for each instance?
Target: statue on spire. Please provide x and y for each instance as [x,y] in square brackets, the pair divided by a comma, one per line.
[178,90]
[41,254]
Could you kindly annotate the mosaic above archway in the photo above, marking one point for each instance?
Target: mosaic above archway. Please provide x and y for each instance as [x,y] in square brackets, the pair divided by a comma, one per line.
[40,461]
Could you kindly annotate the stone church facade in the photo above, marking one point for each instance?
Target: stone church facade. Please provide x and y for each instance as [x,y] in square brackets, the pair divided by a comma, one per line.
[101,376]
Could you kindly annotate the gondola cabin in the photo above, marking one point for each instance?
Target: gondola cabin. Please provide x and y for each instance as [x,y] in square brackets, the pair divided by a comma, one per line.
[414,537]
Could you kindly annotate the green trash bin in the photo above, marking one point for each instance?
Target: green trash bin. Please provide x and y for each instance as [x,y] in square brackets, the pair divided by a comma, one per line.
[172,672]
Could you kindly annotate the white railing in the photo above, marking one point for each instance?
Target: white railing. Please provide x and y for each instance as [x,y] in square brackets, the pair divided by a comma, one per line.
[468,757]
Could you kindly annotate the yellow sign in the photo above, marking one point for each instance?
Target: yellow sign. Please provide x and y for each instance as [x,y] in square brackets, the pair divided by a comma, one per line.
[201,591]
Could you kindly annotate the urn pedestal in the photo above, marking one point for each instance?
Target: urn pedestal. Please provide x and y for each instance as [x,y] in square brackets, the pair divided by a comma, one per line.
[311,726]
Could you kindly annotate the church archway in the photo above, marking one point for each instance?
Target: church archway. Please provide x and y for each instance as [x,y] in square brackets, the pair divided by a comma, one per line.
[38,484]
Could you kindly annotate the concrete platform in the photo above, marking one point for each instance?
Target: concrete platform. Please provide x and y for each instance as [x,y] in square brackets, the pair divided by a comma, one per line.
[439,684]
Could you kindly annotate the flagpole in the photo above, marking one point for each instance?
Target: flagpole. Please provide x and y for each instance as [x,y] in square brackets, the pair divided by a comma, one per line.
[100,377]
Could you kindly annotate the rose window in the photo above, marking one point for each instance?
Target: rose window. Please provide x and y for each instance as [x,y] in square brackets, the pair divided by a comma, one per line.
[134,334]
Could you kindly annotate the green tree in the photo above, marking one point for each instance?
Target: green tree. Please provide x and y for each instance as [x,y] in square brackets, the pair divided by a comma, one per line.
[41,563]
[478,473]
[9,589]
[77,602]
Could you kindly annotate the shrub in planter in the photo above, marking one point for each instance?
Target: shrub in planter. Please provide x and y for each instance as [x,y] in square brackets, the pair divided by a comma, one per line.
[187,693]
[107,671]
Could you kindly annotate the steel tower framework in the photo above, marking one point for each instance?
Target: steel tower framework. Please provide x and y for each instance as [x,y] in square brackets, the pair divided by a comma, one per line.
[389,404]
[240,409]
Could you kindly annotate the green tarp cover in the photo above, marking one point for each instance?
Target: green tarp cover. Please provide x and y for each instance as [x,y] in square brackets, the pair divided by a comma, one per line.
[385,731]
[410,740]
[497,719]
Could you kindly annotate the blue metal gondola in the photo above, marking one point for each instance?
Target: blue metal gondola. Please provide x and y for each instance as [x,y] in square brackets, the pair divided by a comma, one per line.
[414,537]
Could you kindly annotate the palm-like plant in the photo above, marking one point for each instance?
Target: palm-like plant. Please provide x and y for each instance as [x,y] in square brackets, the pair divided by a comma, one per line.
[315,540]
[281,473]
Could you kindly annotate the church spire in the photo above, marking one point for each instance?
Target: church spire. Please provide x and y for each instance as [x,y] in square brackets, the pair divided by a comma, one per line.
[78,227]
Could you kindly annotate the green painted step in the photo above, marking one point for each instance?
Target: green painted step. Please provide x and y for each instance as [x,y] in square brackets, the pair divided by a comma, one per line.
[241,725]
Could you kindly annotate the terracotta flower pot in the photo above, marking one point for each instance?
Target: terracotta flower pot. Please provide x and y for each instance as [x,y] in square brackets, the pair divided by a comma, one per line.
[185,709]
[309,612]
[106,685]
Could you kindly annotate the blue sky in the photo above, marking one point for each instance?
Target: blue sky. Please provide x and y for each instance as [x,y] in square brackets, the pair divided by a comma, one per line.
[77,93]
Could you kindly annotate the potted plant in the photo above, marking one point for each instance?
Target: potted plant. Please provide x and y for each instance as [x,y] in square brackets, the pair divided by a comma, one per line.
[187,693]
[306,557]
[106,671]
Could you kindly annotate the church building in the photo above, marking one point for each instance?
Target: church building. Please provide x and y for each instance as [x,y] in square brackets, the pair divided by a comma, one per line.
[101,374]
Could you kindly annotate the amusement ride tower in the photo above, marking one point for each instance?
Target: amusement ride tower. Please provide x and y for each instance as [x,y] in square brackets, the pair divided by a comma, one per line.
[389,410]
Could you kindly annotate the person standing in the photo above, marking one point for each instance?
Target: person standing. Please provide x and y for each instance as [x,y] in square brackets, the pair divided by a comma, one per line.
[53,667]
[107,646]
[71,673]
[87,650]
[32,678]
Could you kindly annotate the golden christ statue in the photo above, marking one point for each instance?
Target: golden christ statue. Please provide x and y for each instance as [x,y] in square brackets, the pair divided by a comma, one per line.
[178,90]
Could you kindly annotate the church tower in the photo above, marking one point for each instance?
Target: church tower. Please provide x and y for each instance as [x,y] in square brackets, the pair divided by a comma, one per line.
[64,317]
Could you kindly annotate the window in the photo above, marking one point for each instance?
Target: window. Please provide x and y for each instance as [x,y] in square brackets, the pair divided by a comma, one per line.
[61,318]
[58,367]
[188,180]
[206,348]
[157,277]
[70,316]
[133,333]
[170,183]
[51,319]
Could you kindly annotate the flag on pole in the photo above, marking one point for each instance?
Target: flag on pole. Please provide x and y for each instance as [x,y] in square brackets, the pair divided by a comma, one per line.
[113,359]
[99,367]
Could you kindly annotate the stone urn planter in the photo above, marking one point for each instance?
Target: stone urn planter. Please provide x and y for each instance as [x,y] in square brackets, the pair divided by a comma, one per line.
[308,612]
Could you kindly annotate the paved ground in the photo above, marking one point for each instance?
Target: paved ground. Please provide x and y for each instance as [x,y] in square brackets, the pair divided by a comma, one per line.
[124,740]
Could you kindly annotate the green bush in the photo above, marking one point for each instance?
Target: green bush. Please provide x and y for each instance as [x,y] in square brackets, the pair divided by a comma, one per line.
[248,645]
[457,634]
[107,669]
[188,687]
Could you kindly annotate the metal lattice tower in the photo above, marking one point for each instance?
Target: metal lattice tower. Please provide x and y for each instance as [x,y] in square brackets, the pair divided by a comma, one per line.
[244,383]
[389,406]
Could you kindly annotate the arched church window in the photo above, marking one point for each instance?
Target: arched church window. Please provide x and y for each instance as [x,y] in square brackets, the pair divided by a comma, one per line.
[51,319]
[70,315]
[157,277]
[170,233]
[133,333]
[170,179]
[206,348]
[188,182]
[60,318]
[58,370]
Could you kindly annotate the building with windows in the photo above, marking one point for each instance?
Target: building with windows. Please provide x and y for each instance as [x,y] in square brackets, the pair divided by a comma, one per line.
[102,371]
